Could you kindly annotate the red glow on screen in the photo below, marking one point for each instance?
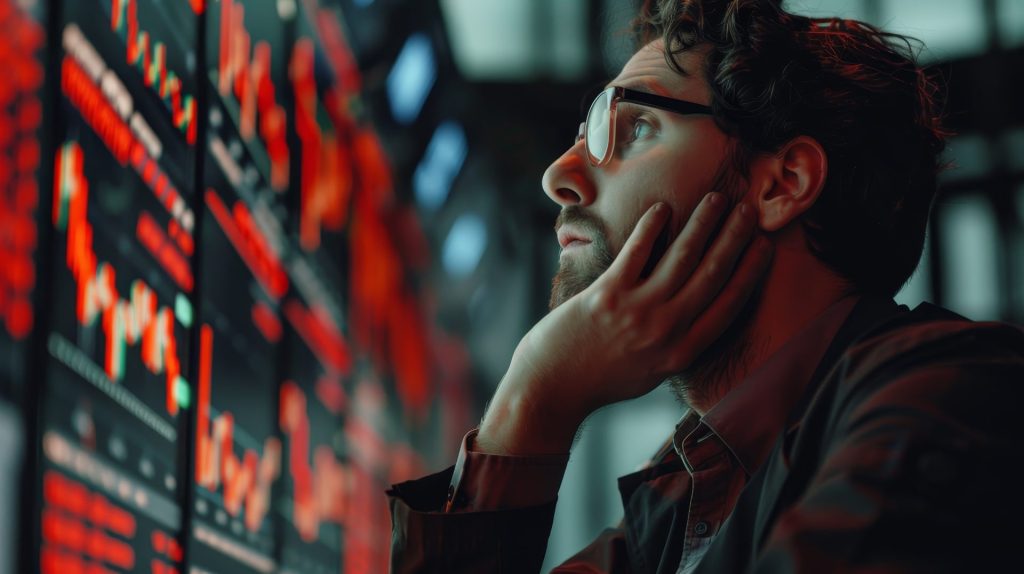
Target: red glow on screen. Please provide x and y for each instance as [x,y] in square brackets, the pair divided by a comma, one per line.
[166,546]
[70,509]
[20,116]
[266,321]
[320,335]
[340,56]
[386,319]
[96,110]
[160,246]
[410,353]
[244,71]
[319,489]
[250,243]
[368,527]
[245,481]
[151,58]
[331,394]
[326,177]
[65,494]
[125,322]
[101,116]
[158,567]
[376,277]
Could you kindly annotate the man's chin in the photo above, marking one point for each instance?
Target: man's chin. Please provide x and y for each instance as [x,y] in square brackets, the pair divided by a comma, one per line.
[570,280]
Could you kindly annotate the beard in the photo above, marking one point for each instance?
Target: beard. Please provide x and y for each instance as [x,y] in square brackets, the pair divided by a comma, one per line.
[713,372]
[577,273]
[708,376]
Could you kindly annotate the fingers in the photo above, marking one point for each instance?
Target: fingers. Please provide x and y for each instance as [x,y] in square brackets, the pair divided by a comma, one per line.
[717,265]
[637,249]
[686,250]
[713,322]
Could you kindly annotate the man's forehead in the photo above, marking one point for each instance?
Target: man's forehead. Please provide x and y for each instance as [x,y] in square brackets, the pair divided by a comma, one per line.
[648,71]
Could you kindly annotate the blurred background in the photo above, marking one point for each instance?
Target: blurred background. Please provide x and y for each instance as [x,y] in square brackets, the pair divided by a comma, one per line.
[263,258]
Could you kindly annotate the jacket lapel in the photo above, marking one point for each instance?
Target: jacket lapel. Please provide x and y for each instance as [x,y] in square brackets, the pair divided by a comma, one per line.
[776,484]
[812,415]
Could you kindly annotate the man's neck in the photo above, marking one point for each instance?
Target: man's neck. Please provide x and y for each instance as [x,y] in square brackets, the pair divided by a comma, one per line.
[797,290]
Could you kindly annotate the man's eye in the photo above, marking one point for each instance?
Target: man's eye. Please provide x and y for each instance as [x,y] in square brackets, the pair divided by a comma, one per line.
[641,129]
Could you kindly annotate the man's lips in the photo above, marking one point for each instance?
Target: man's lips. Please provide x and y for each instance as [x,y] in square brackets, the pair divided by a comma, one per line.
[568,235]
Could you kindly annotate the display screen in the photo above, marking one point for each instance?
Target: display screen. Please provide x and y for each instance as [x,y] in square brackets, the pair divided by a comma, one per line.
[237,457]
[312,401]
[117,342]
[180,177]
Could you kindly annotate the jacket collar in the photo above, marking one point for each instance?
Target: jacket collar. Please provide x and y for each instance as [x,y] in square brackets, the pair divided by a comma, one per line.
[751,417]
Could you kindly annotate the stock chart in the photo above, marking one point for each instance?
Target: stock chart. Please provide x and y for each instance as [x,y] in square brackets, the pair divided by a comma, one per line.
[237,454]
[117,339]
[183,175]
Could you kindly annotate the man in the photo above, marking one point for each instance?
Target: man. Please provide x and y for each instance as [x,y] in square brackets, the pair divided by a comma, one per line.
[829,429]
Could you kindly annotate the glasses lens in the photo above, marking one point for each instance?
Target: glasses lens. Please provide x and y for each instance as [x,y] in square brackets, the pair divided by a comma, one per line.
[597,126]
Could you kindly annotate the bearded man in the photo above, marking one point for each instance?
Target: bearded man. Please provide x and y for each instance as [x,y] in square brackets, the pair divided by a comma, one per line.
[738,210]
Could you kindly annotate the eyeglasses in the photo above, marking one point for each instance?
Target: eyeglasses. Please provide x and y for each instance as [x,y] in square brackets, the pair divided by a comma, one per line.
[599,128]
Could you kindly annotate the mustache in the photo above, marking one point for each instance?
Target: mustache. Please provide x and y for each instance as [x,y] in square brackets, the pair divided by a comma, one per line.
[596,228]
[587,222]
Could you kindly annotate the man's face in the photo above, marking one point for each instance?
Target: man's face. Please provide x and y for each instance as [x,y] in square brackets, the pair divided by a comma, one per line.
[659,156]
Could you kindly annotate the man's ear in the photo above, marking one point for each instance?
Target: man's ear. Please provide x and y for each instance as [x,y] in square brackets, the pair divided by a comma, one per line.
[786,184]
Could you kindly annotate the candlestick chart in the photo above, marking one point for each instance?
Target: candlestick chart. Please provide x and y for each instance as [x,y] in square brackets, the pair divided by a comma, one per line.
[134,320]
[178,192]
[120,313]
[326,176]
[315,488]
[149,54]
[242,48]
[117,381]
[237,450]
[244,480]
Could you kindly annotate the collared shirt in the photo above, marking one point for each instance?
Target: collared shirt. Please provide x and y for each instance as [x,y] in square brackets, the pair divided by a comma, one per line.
[899,455]
[719,452]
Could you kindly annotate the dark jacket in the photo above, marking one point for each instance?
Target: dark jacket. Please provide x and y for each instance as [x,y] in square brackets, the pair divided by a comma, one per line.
[900,456]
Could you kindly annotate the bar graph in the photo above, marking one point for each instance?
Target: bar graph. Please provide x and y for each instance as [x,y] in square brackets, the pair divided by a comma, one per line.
[136,321]
[318,488]
[194,301]
[244,480]
[326,177]
[150,56]
[244,74]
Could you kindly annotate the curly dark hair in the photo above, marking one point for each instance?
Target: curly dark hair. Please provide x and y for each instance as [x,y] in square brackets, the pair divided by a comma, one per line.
[855,89]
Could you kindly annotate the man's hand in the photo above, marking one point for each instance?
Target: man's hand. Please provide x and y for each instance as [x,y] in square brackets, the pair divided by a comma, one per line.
[624,334]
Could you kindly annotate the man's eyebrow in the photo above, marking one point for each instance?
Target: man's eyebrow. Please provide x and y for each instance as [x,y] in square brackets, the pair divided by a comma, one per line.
[642,85]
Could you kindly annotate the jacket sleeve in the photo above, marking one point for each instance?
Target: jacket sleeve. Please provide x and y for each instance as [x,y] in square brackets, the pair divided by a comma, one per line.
[425,538]
[488,513]
[915,471]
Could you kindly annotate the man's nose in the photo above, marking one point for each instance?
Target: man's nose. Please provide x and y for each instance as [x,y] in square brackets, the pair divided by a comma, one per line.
[567,181]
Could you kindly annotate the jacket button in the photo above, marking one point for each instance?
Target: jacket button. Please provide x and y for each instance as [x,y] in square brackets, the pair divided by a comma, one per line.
[701,528]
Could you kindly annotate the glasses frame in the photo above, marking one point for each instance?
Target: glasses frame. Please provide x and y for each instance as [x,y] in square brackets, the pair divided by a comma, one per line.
[620,94]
